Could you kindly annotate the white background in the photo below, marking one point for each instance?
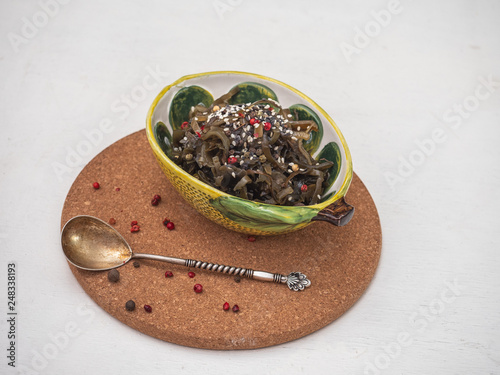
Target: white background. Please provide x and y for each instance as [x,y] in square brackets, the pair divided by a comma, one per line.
[439,216]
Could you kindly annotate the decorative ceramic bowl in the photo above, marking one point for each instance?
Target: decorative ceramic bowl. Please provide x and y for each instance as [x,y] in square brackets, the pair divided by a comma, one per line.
[171,108]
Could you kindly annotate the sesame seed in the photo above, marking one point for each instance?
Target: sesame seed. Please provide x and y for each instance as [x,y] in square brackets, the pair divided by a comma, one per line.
[294,138]
[289,116]
[290,198]
[234,175]
[319,196]
[298,128]
[289,171]
[234,143]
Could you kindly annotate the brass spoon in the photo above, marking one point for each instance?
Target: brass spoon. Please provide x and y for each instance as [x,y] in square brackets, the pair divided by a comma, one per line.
[92,244]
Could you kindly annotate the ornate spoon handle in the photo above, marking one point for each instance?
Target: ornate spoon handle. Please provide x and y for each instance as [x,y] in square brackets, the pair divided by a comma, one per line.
[296,281]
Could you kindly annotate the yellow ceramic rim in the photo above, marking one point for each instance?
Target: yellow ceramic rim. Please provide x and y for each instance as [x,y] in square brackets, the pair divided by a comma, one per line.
[156,148]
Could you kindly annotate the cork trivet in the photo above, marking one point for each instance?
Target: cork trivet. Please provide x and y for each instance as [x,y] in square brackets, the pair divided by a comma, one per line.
[340,262]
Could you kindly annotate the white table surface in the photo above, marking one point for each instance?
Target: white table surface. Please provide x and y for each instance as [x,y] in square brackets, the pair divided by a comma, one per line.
[433,306]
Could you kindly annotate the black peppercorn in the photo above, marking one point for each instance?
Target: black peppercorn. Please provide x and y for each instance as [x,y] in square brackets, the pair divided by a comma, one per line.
[137,264]
[113,275]
[130,305]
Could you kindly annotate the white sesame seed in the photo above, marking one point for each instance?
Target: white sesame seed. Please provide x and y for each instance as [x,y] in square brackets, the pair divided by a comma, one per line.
[298,128]
[289,115]
[319,196]
[232,135]
[249,139]
[233,174]
[276,148]
[234,143]
[196,118]
[185,138]
[289,171]
[290,164]
[294,138]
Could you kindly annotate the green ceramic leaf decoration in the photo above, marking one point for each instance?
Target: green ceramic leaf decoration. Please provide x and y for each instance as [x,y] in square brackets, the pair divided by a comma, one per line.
[251,92]
[163,137]
[302,112]
[262,217]
[331,152]
[184,100]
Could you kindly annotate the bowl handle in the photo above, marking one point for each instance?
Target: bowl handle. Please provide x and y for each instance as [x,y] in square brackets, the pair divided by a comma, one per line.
[339,213]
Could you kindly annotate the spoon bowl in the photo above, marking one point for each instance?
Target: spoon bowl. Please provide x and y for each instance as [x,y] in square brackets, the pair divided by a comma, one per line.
[91,244]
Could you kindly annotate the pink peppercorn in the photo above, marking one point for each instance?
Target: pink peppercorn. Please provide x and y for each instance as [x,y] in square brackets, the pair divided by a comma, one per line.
[198,288]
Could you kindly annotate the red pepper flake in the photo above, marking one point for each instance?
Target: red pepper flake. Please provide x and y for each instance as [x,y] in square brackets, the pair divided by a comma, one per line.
[256,135]
[148,308]
[253,121]
[157,197]
[202,127]
[267,126]
[184,125]
[225,306]
[112,221]
[154,202]
[133,223]
[303,188]
[198,288]
[236,308]
[170,225]
[117,189]
[191,274]
[169,274]
[232,160]
[135,228]
[166,221]
[96,185]
[251,238]
[241,114]
[198,134]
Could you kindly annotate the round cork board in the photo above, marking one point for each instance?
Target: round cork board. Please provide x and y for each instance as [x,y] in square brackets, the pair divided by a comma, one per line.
[340,262]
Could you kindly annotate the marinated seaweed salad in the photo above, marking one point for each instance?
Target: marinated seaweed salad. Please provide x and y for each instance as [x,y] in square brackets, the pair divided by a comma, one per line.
[253,151]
